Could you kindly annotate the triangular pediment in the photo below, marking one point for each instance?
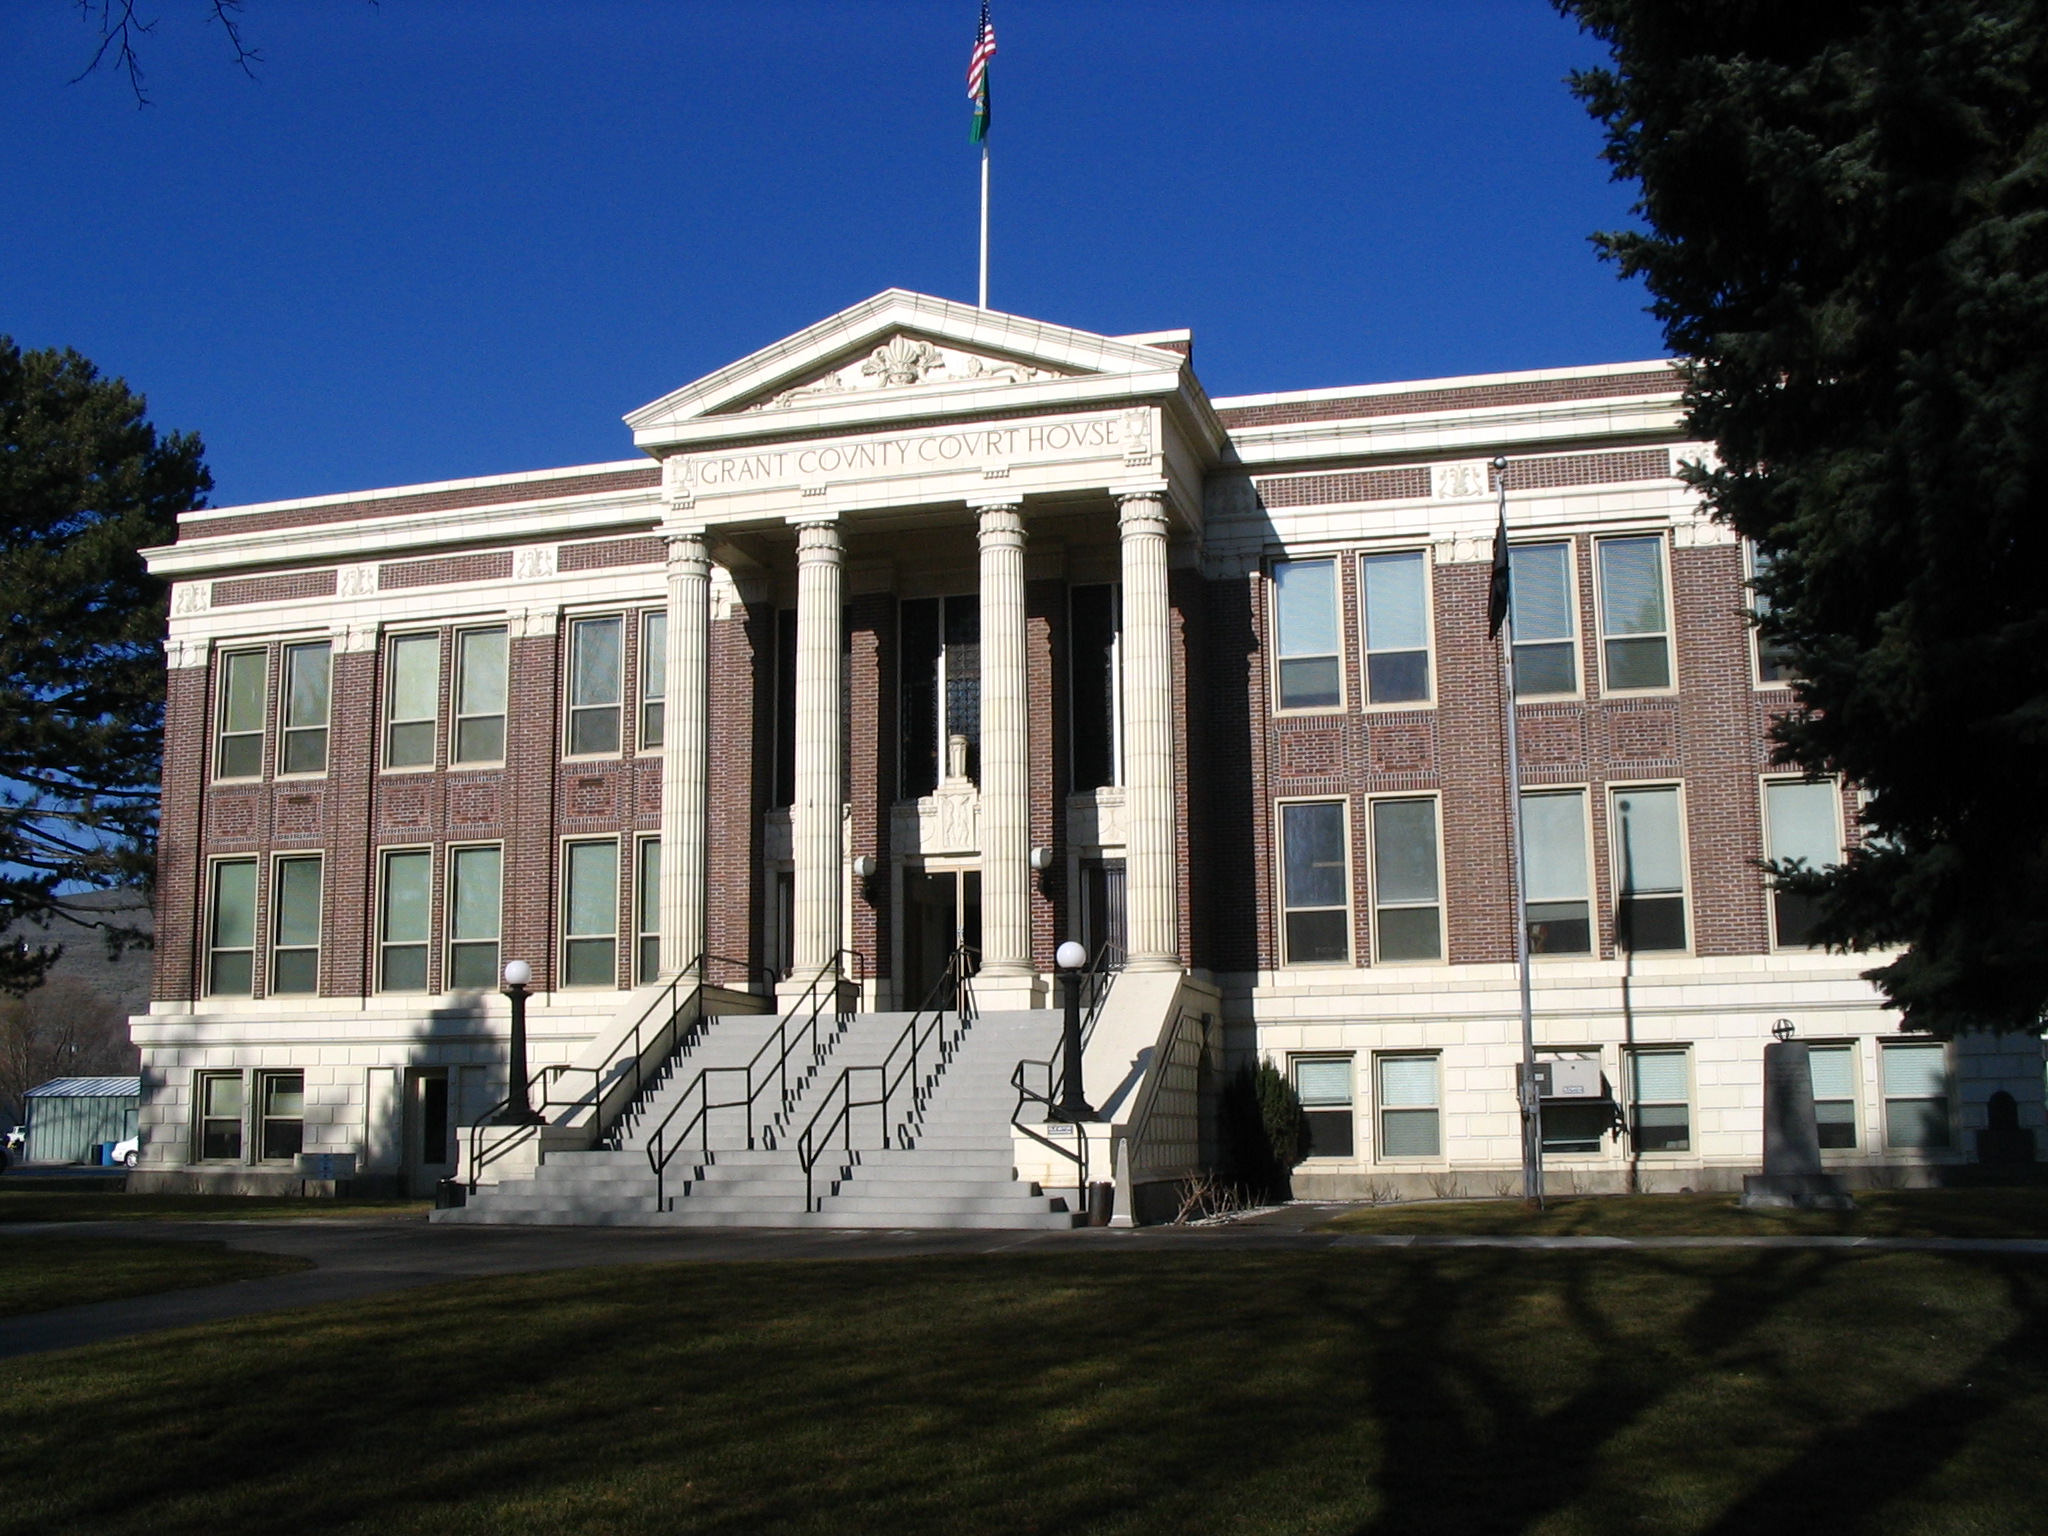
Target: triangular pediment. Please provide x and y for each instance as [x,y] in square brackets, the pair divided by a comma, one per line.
[898,346]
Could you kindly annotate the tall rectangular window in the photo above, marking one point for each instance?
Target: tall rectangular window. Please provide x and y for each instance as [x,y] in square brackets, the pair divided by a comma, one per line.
[647,904]
[1555,879]
[1833,1068]
[1649,857]
[1801,822]
[238,750]
[475,910]
[1307,634]
[1406,907]
[1773,662]
[295,925]
[1635,627]
[1396,589]
[590,915]
[596,674]
[1093,666]
[1545,621]
[1916,1097]
[1316,882]
[412,701]
[653,680]
[308,673]
[220,1117]
[1323,1083]
[480,676]
[1660,1101]
[938,688]
[404,925]
[282,1135]
[231,956]
[1408,1107]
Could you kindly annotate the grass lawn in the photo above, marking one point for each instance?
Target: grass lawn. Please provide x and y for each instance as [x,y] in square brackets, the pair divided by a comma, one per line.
[1338,1391]
[75,1205]
[1879,1213]
[38,1273]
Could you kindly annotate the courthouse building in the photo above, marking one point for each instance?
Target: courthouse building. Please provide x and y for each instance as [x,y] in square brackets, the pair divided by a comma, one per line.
[931,626]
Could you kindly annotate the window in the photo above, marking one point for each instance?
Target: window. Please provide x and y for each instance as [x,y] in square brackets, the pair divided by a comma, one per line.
[1316,926]
[1576,1125]
[1408,1107]
[1406,916]
[1094,663]
[1635,632]
[1650,875]
[231,960]
[653,679]
[1658,1100]
[479,696]
[283,1132]
[1801,822]
[1545,623]
[596,668]
[307,675]
[590,911]
[1305,634]
[1916,1097]
[239,752]
[403,929]
[1834,1094]
[1555,881]
[475,904]
[939,693]
[1773,664]
[1324,1086]
[1396,589]
[220,1117]
[295,925]
[647,903]
[412,701]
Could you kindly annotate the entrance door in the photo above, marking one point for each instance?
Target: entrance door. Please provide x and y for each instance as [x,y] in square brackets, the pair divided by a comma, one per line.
[941,912]
[1102,907]
[429,1132]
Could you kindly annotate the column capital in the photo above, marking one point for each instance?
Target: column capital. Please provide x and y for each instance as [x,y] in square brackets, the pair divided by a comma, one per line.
[1002,522]
[1010,503]
[818,542]
[688,554]
[1141,513]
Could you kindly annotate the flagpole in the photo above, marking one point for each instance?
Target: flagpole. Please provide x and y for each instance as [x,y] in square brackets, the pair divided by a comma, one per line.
[984,223]
[1530,1105]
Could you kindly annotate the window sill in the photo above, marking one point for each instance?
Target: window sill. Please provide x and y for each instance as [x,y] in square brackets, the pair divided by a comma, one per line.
[1410,707]
[299,778]
[404,770]
[496,764]
[1329,711]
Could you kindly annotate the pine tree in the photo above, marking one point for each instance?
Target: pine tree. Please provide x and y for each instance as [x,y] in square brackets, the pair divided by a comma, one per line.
[1845,211]
[85,484]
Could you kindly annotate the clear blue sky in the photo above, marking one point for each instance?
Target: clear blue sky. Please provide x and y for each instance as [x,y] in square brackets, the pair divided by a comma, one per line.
[440,238]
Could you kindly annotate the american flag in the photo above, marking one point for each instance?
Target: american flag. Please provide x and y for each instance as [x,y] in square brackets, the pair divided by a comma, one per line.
[977,73]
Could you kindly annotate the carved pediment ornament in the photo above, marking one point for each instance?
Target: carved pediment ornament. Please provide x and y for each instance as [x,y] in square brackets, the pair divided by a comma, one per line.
[903,362]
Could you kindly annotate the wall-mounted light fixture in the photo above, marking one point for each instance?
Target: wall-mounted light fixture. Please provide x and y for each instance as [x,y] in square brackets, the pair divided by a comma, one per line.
[864,866]
[1041,859]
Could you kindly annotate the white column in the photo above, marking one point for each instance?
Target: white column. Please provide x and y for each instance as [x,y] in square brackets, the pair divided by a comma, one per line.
[1151,892]
[686,765]
[816,818]
[1005,750]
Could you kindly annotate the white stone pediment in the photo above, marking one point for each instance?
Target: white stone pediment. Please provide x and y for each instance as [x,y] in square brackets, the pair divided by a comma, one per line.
[900,347]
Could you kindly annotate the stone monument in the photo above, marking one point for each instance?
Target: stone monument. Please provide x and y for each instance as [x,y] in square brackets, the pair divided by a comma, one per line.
[1792,1176]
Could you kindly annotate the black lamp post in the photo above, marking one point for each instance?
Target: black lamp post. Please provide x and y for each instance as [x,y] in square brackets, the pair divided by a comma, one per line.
[518,1108]
[1072,958]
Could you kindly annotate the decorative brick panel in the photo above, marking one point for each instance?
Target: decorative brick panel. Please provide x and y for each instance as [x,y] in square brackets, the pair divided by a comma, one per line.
[609,553]
[1361,485]
[1471,397]
[1644,735]
[600,482]
[495,566]
[1401,745]
[273,589]
[1584,469]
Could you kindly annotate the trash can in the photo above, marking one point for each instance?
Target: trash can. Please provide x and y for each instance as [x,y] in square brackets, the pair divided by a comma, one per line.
[1101,1204]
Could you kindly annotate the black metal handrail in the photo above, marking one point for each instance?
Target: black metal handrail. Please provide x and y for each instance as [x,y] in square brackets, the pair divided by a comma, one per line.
[784,1040]
[1096,981]
[615,1086]
[903,1061]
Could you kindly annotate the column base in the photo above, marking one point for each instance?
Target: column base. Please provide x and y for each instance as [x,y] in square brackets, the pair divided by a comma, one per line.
[1154,963]
[993,994]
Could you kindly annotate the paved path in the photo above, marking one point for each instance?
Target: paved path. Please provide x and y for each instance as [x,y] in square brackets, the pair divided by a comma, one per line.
[369,1258]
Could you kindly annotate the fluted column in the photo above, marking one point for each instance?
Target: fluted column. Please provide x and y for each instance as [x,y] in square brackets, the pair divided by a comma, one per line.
[1005,759]
[817,817]
[1150,889]
[686,737]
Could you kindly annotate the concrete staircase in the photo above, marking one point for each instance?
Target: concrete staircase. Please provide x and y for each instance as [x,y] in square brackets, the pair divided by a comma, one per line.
[957,1169]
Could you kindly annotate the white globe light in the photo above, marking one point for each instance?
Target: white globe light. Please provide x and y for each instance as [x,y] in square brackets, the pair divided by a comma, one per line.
[517,973]
[1071,956]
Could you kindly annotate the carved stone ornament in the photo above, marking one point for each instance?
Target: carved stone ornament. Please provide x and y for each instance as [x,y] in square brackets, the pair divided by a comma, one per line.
[1137,435]
[192,597]
[534,562]
[1462,479]
[679,479]
[947,821]
[349,638]
[902,362]
[355,581]
[1701,533]
[1226,496]
[532,623]
[1096,819]
[1464,549]
[185,651]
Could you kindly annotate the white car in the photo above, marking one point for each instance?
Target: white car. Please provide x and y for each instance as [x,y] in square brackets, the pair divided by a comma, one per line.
[127,1153]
